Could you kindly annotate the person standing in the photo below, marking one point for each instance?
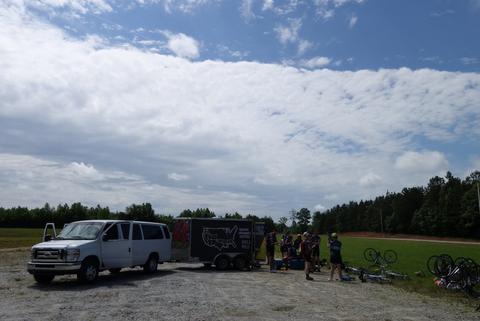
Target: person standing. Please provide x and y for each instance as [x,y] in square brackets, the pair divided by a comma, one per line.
[297,242]
[286,247]
[316,252]
[306,250]
[335,256]
[270,242]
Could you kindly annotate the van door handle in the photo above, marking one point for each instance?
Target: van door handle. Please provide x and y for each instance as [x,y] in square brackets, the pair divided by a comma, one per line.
[129,250]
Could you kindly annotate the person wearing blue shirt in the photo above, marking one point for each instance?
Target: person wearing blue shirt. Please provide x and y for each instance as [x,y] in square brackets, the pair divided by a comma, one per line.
[335,256]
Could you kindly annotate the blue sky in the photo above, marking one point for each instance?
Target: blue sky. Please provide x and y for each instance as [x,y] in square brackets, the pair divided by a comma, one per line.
[250,106]
[352,34]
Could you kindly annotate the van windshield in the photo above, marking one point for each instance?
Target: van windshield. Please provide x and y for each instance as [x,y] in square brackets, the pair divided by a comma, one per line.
[80,231]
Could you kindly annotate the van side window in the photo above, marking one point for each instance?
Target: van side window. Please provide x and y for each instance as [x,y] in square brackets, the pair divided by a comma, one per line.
[137,234]
[125,230]
[112,234]
[152,232]
[166,232]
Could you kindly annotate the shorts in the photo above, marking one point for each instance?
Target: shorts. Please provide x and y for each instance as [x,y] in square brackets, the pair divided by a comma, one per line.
[316,251]
[336,259]
[270,250]
[307,258]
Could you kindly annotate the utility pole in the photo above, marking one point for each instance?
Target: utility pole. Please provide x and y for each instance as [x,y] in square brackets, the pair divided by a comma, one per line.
[381,221]
[478,196]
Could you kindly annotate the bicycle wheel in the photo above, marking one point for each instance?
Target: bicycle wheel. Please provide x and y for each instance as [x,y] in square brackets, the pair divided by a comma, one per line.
[370,254]
[390,256]
[444,265]
[431,264]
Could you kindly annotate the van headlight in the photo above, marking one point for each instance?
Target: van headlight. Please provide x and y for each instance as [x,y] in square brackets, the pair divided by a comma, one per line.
[73,255]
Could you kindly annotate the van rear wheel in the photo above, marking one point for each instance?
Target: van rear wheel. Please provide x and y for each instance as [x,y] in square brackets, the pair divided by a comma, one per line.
[43,278]
[151,265]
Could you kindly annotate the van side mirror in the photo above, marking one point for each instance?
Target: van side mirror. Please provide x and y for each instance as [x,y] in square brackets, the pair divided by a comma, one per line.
[104,237]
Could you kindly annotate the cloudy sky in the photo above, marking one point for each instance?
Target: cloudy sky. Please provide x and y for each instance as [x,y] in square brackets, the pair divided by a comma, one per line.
[250,106]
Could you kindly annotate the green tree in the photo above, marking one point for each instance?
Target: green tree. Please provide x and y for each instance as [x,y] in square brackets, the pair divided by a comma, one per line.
[303,218]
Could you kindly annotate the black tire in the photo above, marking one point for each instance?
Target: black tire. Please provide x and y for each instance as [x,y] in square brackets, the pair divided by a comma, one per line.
[151,265]
[443,265]
[89,271]
[114,271]
[240,263]
[370,254]
[43,278]
[222,263]
[431,264]
[390,256]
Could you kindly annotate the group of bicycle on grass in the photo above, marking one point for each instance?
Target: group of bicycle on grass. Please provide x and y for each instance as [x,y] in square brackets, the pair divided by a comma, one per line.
[306,248]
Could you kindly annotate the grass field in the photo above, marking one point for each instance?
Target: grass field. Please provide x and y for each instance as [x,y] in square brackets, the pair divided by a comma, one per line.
[19,237]
[412,257]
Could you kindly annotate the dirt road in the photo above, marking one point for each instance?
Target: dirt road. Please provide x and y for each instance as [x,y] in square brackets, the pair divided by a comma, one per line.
[185,292]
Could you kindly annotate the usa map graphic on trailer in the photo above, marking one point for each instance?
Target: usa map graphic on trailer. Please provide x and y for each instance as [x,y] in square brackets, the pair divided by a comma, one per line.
[219,237]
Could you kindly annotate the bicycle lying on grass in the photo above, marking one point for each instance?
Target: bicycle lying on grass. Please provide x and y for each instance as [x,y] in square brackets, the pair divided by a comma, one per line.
[460,274]
[381,263]
[364,275]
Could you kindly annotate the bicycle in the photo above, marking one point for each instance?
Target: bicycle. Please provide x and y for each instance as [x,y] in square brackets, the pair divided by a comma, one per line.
[460,274]
[381,262]
[372,255]
[364,275]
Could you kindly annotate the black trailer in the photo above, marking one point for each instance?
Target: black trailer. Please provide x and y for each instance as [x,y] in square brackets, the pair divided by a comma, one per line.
[215,241]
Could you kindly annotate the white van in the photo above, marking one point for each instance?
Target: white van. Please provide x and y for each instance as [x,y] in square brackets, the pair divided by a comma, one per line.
[86,248]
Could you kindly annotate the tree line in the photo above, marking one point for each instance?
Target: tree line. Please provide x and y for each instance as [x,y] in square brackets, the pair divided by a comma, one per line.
[447,206]
[23,217]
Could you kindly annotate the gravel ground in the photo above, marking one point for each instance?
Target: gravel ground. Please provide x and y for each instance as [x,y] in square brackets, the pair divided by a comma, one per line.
[191,292]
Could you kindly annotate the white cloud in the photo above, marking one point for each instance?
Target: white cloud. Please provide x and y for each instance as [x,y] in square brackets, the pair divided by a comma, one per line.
[370,180]
[289,34]
[352,21]
[250,132]
[178,177]
[317,62]
[424,161]
[326,8]
[246,10]
[185,6]
[319,207]
[267,5]
[470,61]
[78,6]
[182,45]
[304,46]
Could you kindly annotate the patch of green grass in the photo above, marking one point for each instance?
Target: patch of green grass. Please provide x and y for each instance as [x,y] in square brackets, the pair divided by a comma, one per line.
[412,258]
[19,237]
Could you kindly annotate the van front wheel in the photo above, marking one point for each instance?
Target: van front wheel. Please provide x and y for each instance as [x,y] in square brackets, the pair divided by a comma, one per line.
[88,272]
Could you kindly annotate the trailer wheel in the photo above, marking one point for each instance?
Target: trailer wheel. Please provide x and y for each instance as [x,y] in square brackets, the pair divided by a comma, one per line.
[240,263]
[43,278]
[151,265]
[222,263]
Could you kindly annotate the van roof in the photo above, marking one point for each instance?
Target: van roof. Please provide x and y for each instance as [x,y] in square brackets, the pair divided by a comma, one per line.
[118,221]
